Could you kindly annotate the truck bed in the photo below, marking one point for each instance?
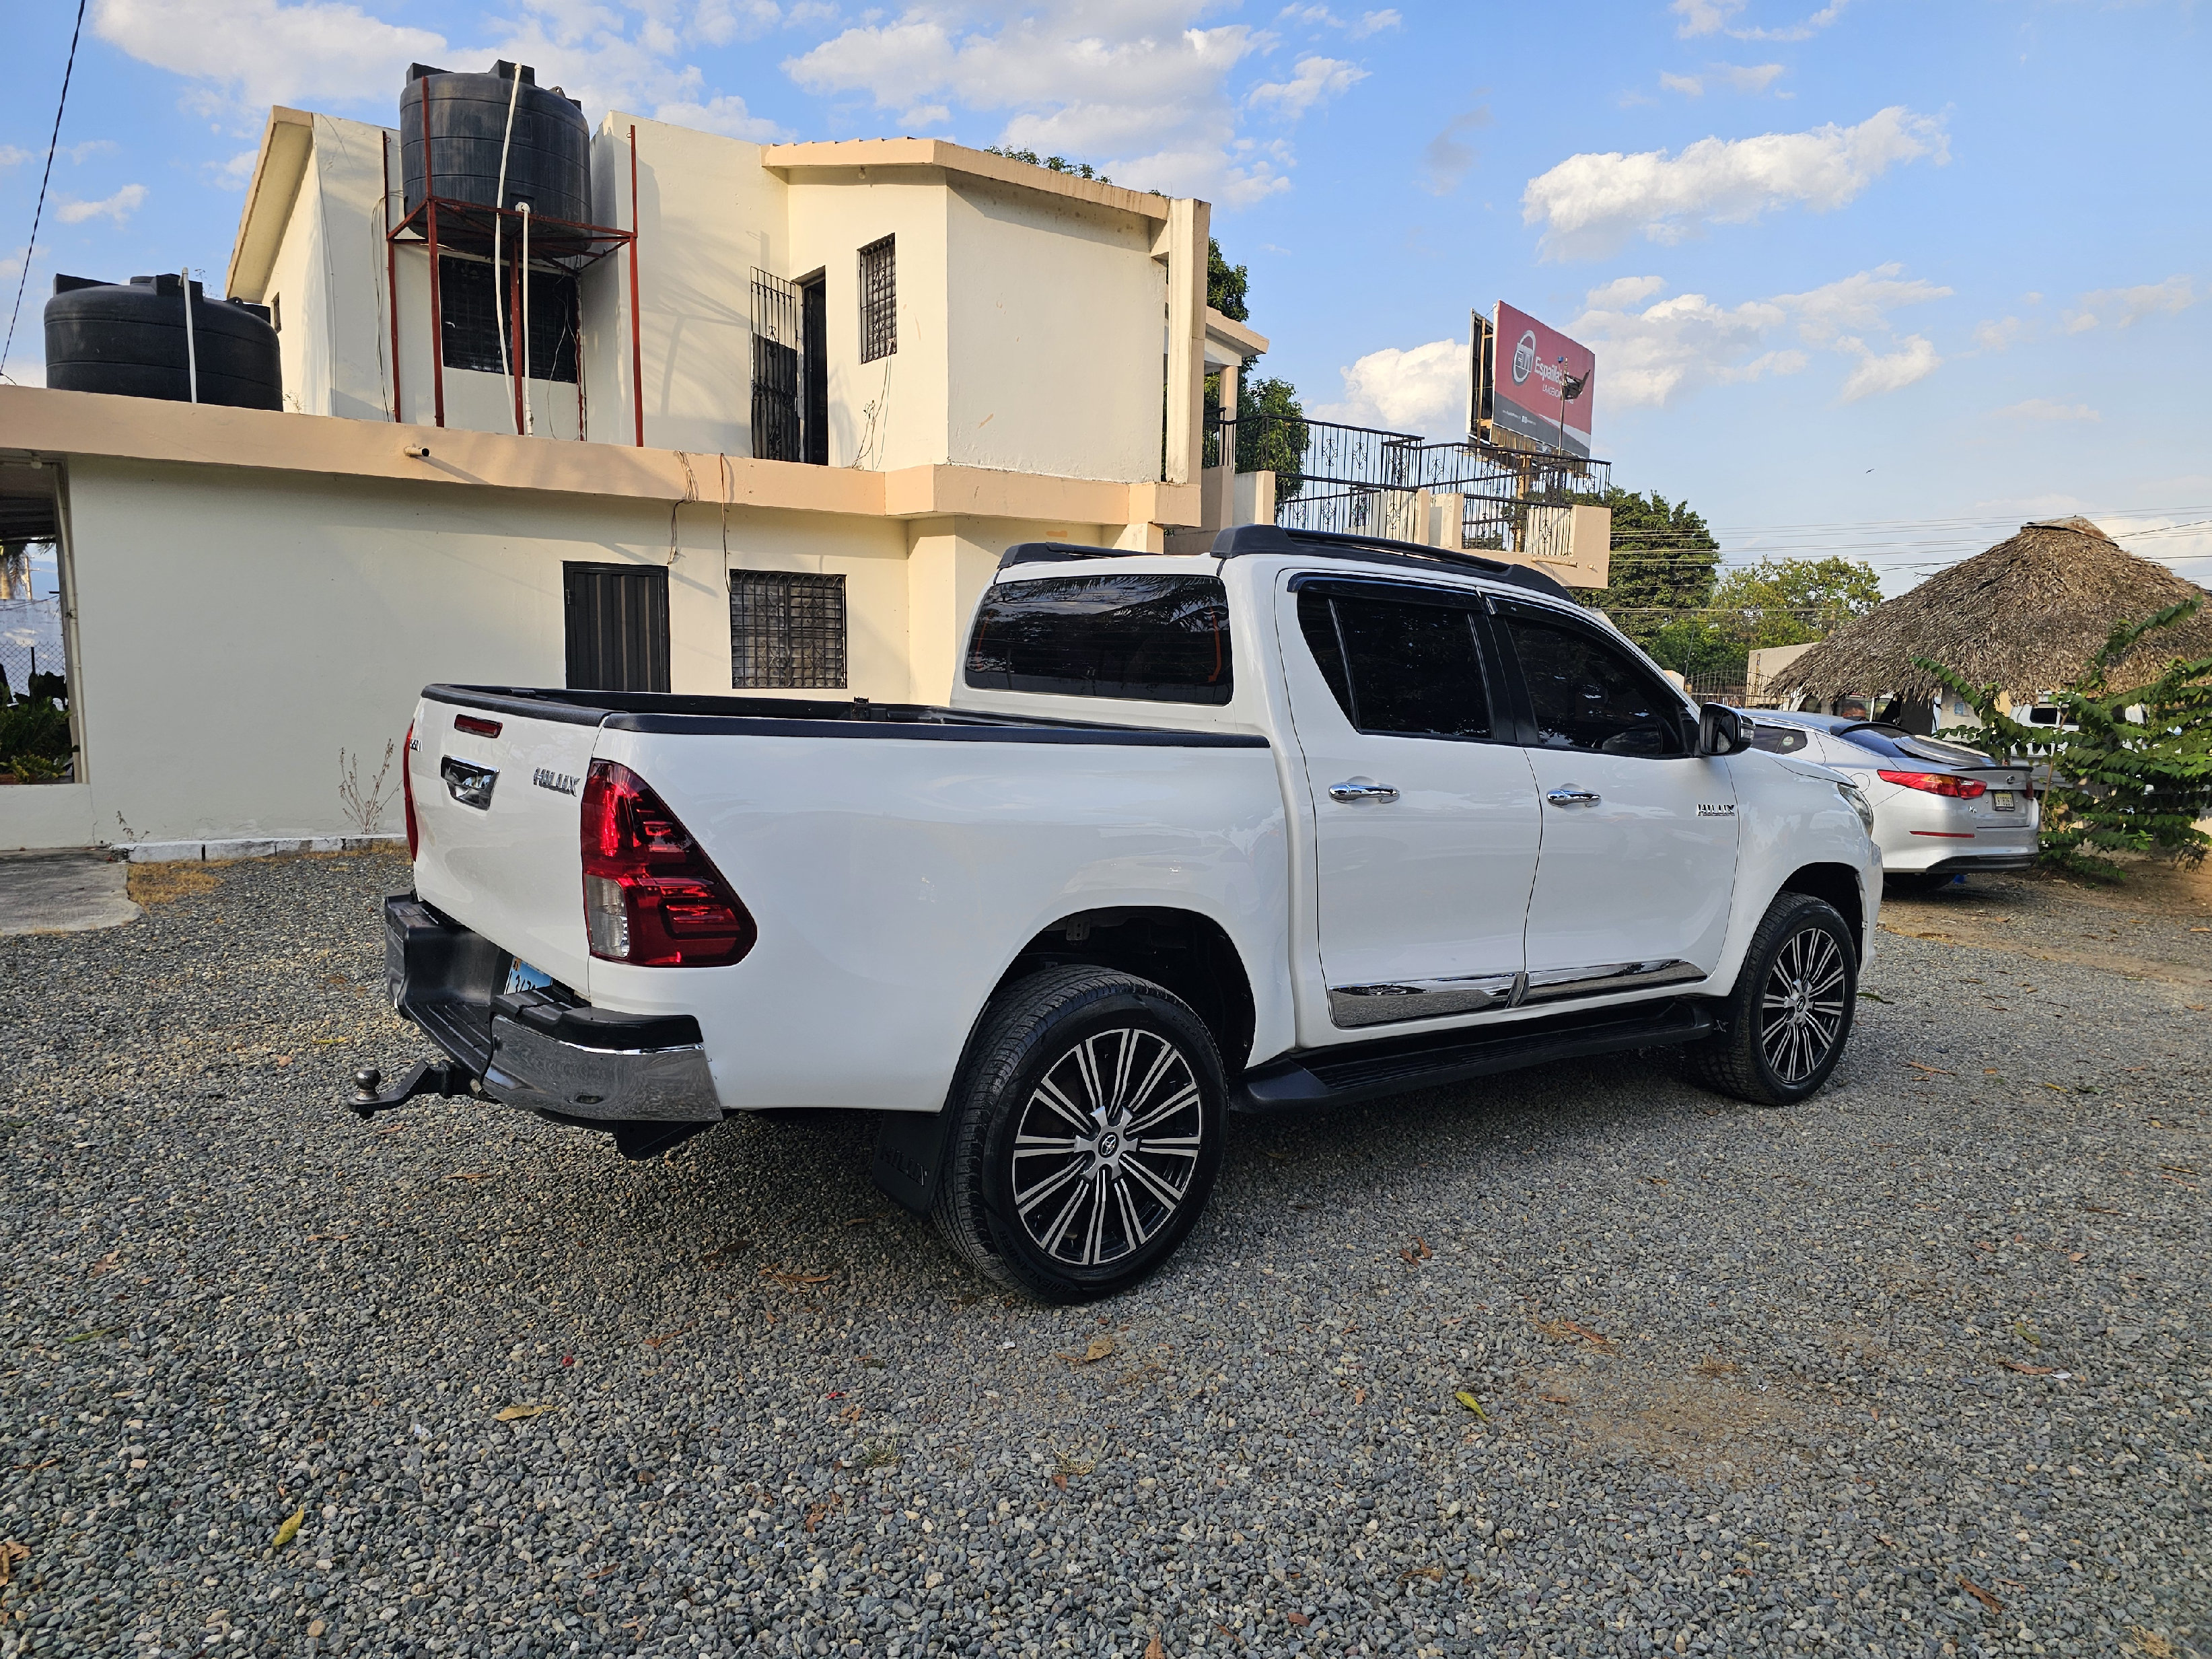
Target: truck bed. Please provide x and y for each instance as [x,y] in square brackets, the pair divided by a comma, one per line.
[891,886]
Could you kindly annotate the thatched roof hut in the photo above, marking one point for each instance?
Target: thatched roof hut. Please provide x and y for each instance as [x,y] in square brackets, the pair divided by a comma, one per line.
[2026,616]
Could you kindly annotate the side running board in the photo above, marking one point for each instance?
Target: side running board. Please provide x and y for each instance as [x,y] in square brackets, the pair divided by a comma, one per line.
[1367,1071]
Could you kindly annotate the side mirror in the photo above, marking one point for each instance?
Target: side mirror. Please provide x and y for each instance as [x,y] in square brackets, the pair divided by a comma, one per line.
[1722,730]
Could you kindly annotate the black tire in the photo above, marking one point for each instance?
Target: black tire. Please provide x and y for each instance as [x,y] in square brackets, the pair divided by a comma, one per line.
[1786,1022]
[1024,1068]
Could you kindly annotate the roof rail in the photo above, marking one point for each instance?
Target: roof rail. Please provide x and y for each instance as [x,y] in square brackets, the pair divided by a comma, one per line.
[1245,540]
[1055,552]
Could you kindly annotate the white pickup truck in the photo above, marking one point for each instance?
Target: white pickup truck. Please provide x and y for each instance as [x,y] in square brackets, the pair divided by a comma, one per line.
[1313,819]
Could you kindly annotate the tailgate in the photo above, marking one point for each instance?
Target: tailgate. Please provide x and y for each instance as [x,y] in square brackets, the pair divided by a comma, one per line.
[498,797]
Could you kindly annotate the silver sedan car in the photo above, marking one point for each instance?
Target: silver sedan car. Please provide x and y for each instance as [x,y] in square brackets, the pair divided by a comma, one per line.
[1941,811]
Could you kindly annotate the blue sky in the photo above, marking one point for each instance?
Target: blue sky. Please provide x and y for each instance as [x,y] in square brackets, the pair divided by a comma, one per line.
[1882,277]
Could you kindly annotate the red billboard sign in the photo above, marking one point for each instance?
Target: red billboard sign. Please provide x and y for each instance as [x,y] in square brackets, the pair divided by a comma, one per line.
[1544,385]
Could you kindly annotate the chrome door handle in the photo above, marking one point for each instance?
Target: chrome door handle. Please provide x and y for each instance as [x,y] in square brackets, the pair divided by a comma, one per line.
[1572,796]
[1362,792]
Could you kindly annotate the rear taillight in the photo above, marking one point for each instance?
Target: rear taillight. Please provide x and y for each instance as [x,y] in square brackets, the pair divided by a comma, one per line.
[407,792]
[1939,783]
[651,897]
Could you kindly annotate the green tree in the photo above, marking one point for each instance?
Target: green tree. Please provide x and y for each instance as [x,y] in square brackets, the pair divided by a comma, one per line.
[1227,285]
[1793,601]
[1271,434]
[1663,563]
[1049,163]
[2130,770]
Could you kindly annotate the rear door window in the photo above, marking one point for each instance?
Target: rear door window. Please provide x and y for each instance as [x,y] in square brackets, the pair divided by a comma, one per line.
[1150,639]
[1397,669]
[1587,694]
[1779,740]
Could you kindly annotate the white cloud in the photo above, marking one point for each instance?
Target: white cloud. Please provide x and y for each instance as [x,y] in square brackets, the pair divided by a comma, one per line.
[2124,307]
[1703,16]
[1804,31]
[1138,89]
[236,173]
[1317,79]
[118,207]
[718,22]
[242,55]
[1999,334]
[726,115]
[254,52]
[2047,409]
[1444,159]
[1753,78]
[1374,22]
[1650,355]
[1749,77]
[1591,205]
[1623,291]
[1877,372]
[1713,16]
[1859,302]
[1421,389]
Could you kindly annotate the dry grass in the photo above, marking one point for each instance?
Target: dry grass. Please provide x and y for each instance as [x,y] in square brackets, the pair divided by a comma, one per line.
[158,883]
[2026,615]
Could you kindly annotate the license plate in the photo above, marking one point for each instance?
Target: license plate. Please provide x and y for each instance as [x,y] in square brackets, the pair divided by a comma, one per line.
[523,977]
[2001,799]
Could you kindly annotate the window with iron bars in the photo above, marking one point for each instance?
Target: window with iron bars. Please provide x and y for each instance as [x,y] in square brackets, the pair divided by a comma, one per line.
[776,340]
[474,321]
[786,630]
[879,300]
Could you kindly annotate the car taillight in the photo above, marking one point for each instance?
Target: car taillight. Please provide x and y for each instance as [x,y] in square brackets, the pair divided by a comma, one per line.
[651,897]
[1939,783]
[407,791]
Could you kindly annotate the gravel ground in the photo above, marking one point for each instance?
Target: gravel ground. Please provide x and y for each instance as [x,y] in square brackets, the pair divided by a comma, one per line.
[1919,1368]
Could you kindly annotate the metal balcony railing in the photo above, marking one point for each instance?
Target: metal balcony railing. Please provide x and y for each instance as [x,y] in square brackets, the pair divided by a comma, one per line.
[1330,475]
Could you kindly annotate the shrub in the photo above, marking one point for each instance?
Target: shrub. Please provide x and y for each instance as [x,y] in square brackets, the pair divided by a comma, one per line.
[2134,772]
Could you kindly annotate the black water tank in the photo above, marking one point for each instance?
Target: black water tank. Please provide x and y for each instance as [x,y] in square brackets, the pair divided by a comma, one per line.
[128,338]
[548,160]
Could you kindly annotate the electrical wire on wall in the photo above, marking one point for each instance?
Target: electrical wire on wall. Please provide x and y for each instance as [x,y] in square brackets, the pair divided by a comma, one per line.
[39,212]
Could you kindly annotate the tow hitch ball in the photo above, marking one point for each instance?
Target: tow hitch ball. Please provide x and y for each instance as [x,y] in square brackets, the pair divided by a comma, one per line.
[445,1078]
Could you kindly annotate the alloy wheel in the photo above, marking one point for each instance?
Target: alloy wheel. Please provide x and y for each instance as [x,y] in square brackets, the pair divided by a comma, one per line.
[1801,1009]
[1106,1146]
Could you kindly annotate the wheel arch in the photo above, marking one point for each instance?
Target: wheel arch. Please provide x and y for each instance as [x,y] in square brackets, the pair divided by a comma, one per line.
[1837,886]
[1185,951]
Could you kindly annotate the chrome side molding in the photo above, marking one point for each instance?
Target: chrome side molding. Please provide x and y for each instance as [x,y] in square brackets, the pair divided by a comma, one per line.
[1351,1006]
[1550,984]
[1387,1002]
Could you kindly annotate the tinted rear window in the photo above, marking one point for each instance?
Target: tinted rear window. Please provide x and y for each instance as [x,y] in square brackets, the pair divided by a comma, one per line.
[1778,739]
[1154,638]
[1409,671]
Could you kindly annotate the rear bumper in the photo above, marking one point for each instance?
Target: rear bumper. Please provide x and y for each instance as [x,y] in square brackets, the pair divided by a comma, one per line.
[1966,863]
[528,1048]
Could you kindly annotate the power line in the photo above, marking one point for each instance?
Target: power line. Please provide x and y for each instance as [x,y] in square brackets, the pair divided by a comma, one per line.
[40,212]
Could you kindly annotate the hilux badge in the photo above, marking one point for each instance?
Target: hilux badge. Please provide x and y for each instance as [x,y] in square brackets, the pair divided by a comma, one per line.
[559,782]
[1706,809]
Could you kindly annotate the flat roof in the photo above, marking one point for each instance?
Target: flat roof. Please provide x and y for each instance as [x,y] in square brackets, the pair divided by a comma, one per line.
[844,155]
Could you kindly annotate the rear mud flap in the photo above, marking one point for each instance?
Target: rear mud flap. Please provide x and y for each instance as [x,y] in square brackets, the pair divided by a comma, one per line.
[910,1159]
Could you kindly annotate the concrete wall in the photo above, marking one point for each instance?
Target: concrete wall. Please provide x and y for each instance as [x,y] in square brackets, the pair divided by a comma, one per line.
[1054,309]
[236,627]
[707,214]
[328,279]
[890,413]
